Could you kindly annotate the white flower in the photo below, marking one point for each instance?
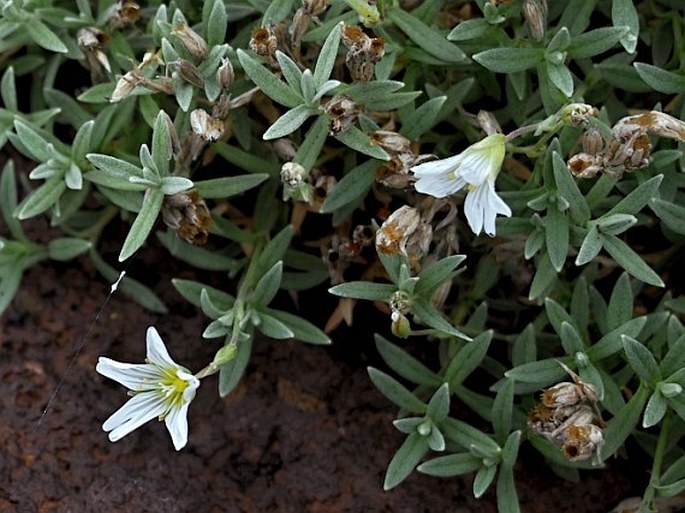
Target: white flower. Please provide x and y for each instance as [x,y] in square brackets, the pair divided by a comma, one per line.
[475,169]
[160,388]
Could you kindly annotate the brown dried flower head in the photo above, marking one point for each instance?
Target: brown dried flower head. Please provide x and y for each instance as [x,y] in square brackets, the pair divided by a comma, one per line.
[535,14]
[343,112]
[187,213]
[205,126]
[91,42]
[582,441]
[125,13]
[363,52]
[264,42]
[126,84]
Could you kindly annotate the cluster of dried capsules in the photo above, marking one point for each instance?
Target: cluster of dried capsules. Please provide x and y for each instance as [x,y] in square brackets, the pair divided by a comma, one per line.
[567,416]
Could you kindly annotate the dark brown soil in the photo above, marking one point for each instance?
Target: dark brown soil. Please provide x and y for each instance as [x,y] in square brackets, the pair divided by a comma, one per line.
[305,432]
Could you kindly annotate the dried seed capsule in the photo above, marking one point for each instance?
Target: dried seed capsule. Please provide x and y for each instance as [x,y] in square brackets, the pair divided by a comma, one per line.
[583,165]
[264,41]
[535,14]
[390,141]
[189,72]
[569,394]
[187,213]
[293,174]
[126,84]
[343,112]
[593,143]
[582,441]
[315,7]
[392,236]
[191,40]
[205,126]
[225,74]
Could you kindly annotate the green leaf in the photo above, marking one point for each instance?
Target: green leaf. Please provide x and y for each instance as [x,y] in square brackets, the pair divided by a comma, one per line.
[568,188]
[570,340]
[509,60]
[277,11]
[641,360]
[8,200]
[591,246]
[425,37]
[671,214]
[327,57]
[192,292]
[359,141]
[271,327]
[469,29]
[43,36]
[161,143]
[196,256]
[502,410]
[561,77]
[290,70]
[288,122]
[8,90]
[439,404]
[309,150]
[229,185]
[655,410]
[42,198]
[611,342]
[35,143]
[268,285]
[595,42]
[467,359]
[231,373]
[623,424]
[174,184]
[430,316]
[406,365]
[620,308]
[624,14]
[423,118]
[66,248]
[638,197]
[556,236]
[452,465]
[364,290]
[269,83]
[275,249]
[405,460]
[484,478]
[396,392]
[141,227]
[302,329]
[543,279]
[661,80]
[543,372]
[353,186]
[216,24]
[630,261]
[674,359]
[432,277]
[507,499]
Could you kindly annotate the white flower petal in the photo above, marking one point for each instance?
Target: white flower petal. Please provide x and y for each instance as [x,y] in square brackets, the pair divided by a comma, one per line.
[482,206]
[437,167]
[134,376]
[439,186]
[138,410]
[177,424]
[156,350]
[475,168]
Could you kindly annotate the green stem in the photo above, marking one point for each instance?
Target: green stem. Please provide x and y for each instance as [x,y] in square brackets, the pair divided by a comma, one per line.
[247,284]
[662,442]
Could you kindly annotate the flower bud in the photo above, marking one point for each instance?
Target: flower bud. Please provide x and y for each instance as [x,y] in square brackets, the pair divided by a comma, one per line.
[191,40]
[400,326]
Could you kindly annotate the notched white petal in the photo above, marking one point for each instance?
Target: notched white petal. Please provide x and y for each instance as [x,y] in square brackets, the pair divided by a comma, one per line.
[156,350]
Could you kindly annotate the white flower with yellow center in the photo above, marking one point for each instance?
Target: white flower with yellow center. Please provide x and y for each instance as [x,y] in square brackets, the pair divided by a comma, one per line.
[474,169]
[160,388]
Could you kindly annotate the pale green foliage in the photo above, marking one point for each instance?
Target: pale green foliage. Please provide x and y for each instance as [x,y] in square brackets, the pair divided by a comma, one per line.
[581,274]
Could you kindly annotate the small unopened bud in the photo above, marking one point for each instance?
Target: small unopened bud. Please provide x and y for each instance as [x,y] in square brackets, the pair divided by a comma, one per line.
[343,112]
[225,354]
[488,122]
[193,42]
[535,13]
[189,72]
[205,126]
[225,74]
[400,326]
